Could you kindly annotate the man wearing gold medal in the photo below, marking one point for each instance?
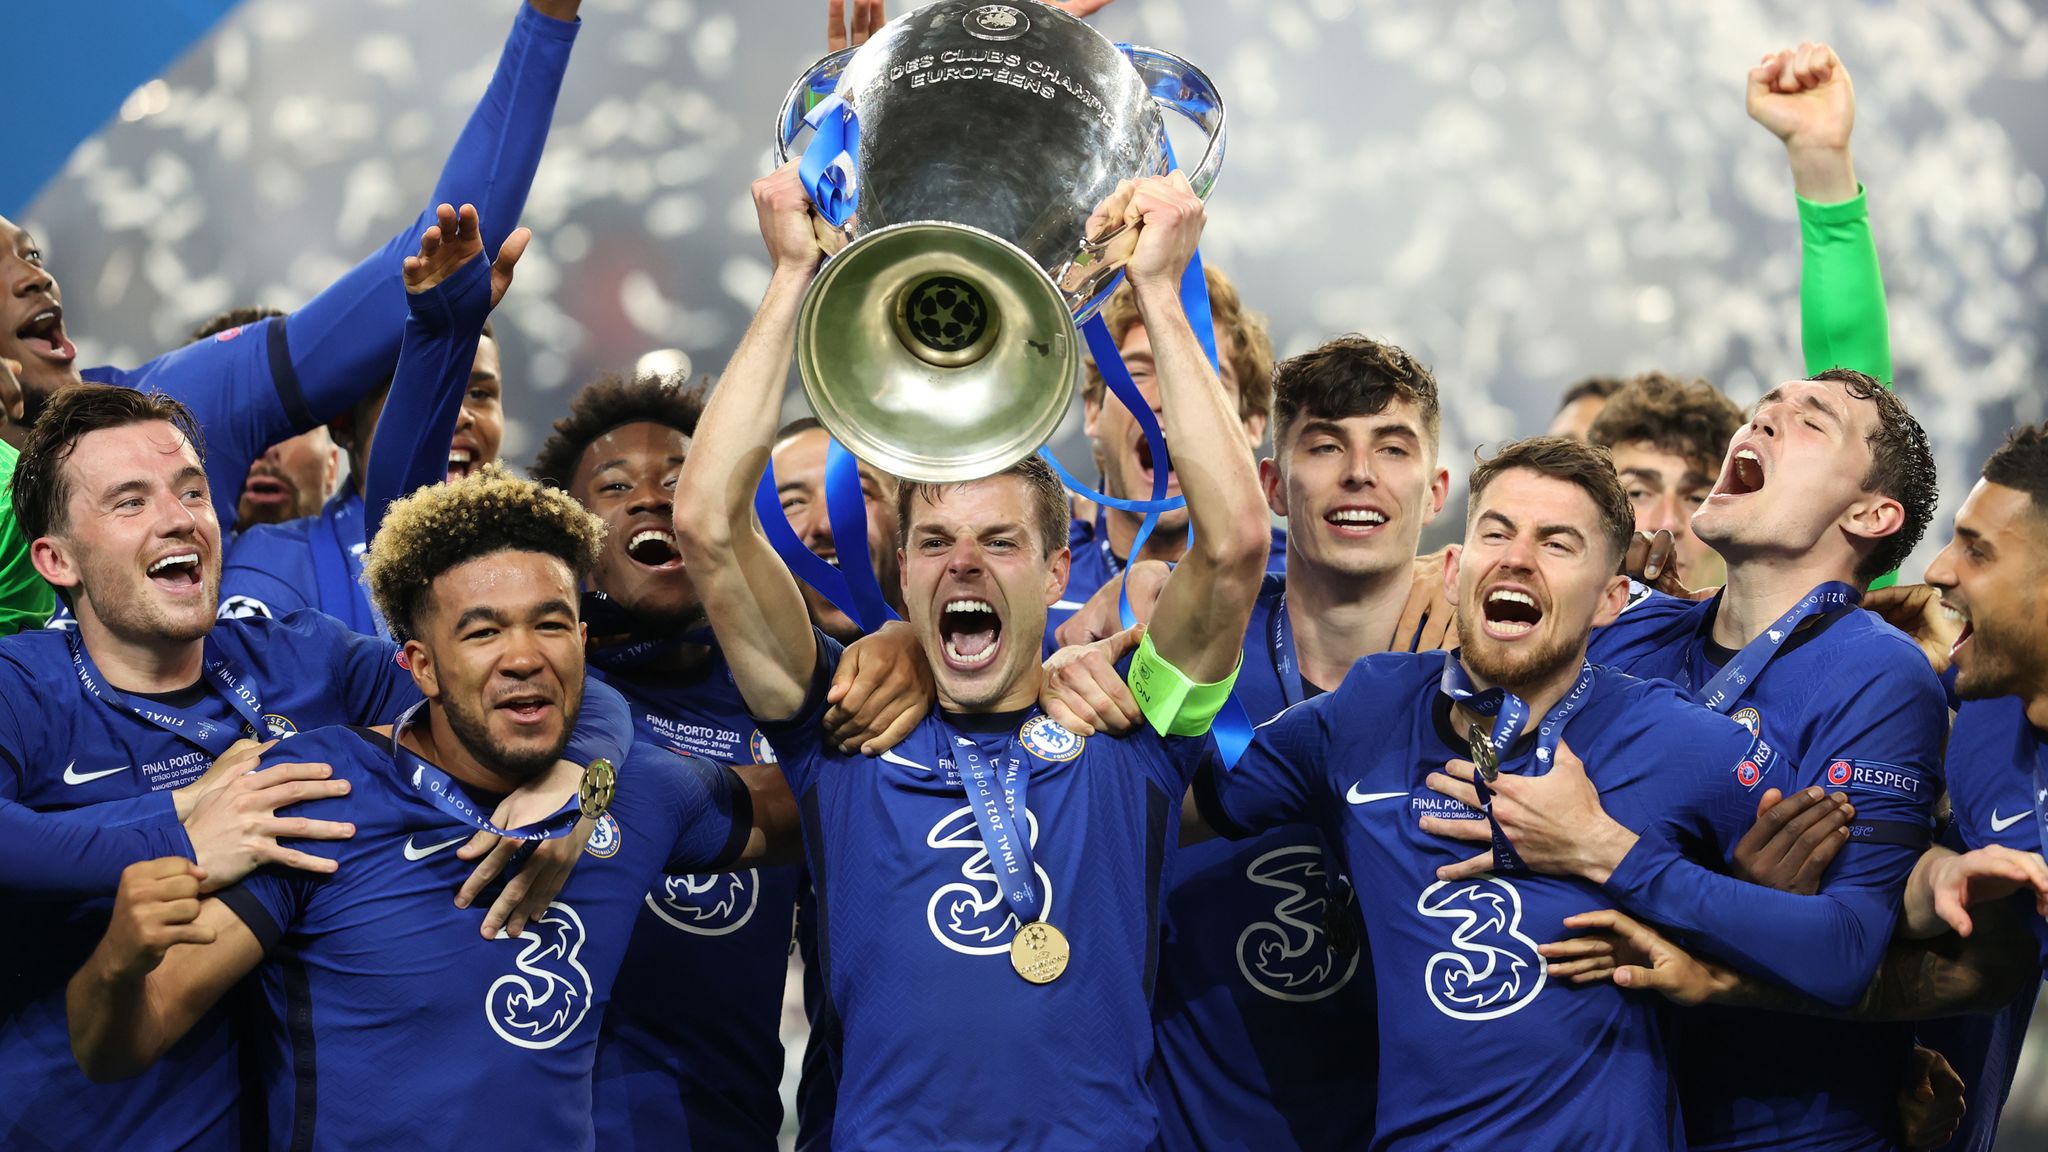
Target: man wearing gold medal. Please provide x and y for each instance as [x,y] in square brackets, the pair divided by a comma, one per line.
[989,888]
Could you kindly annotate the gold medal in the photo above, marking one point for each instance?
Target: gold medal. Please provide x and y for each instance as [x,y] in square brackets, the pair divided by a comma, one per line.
[600,782]
[1039,952]
[1485,760]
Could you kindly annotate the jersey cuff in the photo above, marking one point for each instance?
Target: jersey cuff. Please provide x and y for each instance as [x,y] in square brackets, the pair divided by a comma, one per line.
[289,394]
[1841,212]
[1651,854]
[1172,703]
[742,819]
[244,904]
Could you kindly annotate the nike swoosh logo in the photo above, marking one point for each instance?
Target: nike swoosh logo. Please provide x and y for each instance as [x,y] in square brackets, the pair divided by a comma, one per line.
[416,853]
[73,776]
[893,758]
[1357,797]
[1998,825]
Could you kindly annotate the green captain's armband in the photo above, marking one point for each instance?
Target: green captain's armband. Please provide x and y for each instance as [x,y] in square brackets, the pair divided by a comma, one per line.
[1172,703]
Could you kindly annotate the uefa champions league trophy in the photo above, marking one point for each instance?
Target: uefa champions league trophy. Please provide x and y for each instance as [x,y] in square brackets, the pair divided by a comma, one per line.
[973,141]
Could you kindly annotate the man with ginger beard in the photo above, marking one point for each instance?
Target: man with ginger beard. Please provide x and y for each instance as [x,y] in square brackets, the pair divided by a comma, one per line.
[1498,1044]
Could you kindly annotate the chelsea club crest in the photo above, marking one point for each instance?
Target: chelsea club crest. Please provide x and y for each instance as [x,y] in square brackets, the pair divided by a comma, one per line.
[1749,718]
[1043,737]
[605,838]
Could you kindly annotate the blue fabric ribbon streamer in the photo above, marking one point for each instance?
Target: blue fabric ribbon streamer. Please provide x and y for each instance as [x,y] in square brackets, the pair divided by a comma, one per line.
[827,167]
[846,506]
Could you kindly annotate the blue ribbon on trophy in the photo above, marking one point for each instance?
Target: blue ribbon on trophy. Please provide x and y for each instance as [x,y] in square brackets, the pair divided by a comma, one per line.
[827,167]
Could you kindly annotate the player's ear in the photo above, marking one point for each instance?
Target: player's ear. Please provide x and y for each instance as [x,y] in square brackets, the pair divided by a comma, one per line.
[1613,598]
[1439,491]
[1453,554]
[419,660]
[1274,483]
[1056,574]
[1874,517]
[54,562]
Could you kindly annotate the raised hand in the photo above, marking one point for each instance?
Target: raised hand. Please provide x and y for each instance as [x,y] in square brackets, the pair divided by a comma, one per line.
[868,15]
[453,240]
[1169,218]
[783,209]
[1804,96]
[154,909]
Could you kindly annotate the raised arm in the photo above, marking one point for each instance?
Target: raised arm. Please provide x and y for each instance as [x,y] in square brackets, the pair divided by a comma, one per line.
[168,956]
[450,292]
[1199,623]
[1804,96]
[753,602]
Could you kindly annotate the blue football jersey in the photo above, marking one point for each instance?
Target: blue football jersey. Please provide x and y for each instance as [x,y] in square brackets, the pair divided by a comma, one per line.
[1851,703]
[1992,751]
[942,1044]
[1488,1048]
[392,1022]
[272,570]
[674,1072]
[64,747]
[1264,1017]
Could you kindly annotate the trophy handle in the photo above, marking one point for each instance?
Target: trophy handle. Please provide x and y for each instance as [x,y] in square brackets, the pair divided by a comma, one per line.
[1177,84]
[819,81]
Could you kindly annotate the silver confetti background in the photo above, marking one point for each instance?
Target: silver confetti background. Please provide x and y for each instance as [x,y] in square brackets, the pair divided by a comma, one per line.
[1521,193]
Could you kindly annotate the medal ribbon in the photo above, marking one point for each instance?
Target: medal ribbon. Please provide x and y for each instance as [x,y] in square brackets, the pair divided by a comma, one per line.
[441,790]
[999,812]
[1727,687]
[1509,713]
[180,722]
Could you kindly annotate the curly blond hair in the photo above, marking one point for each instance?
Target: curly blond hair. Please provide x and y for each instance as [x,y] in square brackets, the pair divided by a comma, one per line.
[443,525]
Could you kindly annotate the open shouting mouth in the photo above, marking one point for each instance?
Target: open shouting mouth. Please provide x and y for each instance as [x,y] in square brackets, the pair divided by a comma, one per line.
[970,631]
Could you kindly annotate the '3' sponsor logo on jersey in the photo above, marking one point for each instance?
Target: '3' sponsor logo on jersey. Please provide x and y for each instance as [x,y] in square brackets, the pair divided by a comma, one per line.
[1491,968]
[1290,957]
[710,904]
[540,1002]
[970,914]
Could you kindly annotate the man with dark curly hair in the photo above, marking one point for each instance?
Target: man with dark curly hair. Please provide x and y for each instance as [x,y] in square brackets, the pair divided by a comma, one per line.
[1667,437]
[381,977]
[664,1065]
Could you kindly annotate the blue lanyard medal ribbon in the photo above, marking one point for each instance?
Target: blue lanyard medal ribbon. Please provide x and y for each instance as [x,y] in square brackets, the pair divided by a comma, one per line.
[441,790]
[1038,951]
[182,722]
[1509,713]
[1727,686]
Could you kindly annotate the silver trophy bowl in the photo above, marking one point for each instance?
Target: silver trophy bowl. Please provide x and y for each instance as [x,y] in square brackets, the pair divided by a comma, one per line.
[940,343]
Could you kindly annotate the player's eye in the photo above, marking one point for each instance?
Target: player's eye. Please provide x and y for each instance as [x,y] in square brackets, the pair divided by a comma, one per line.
[1638,495]
[33,256]
[1395,450]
